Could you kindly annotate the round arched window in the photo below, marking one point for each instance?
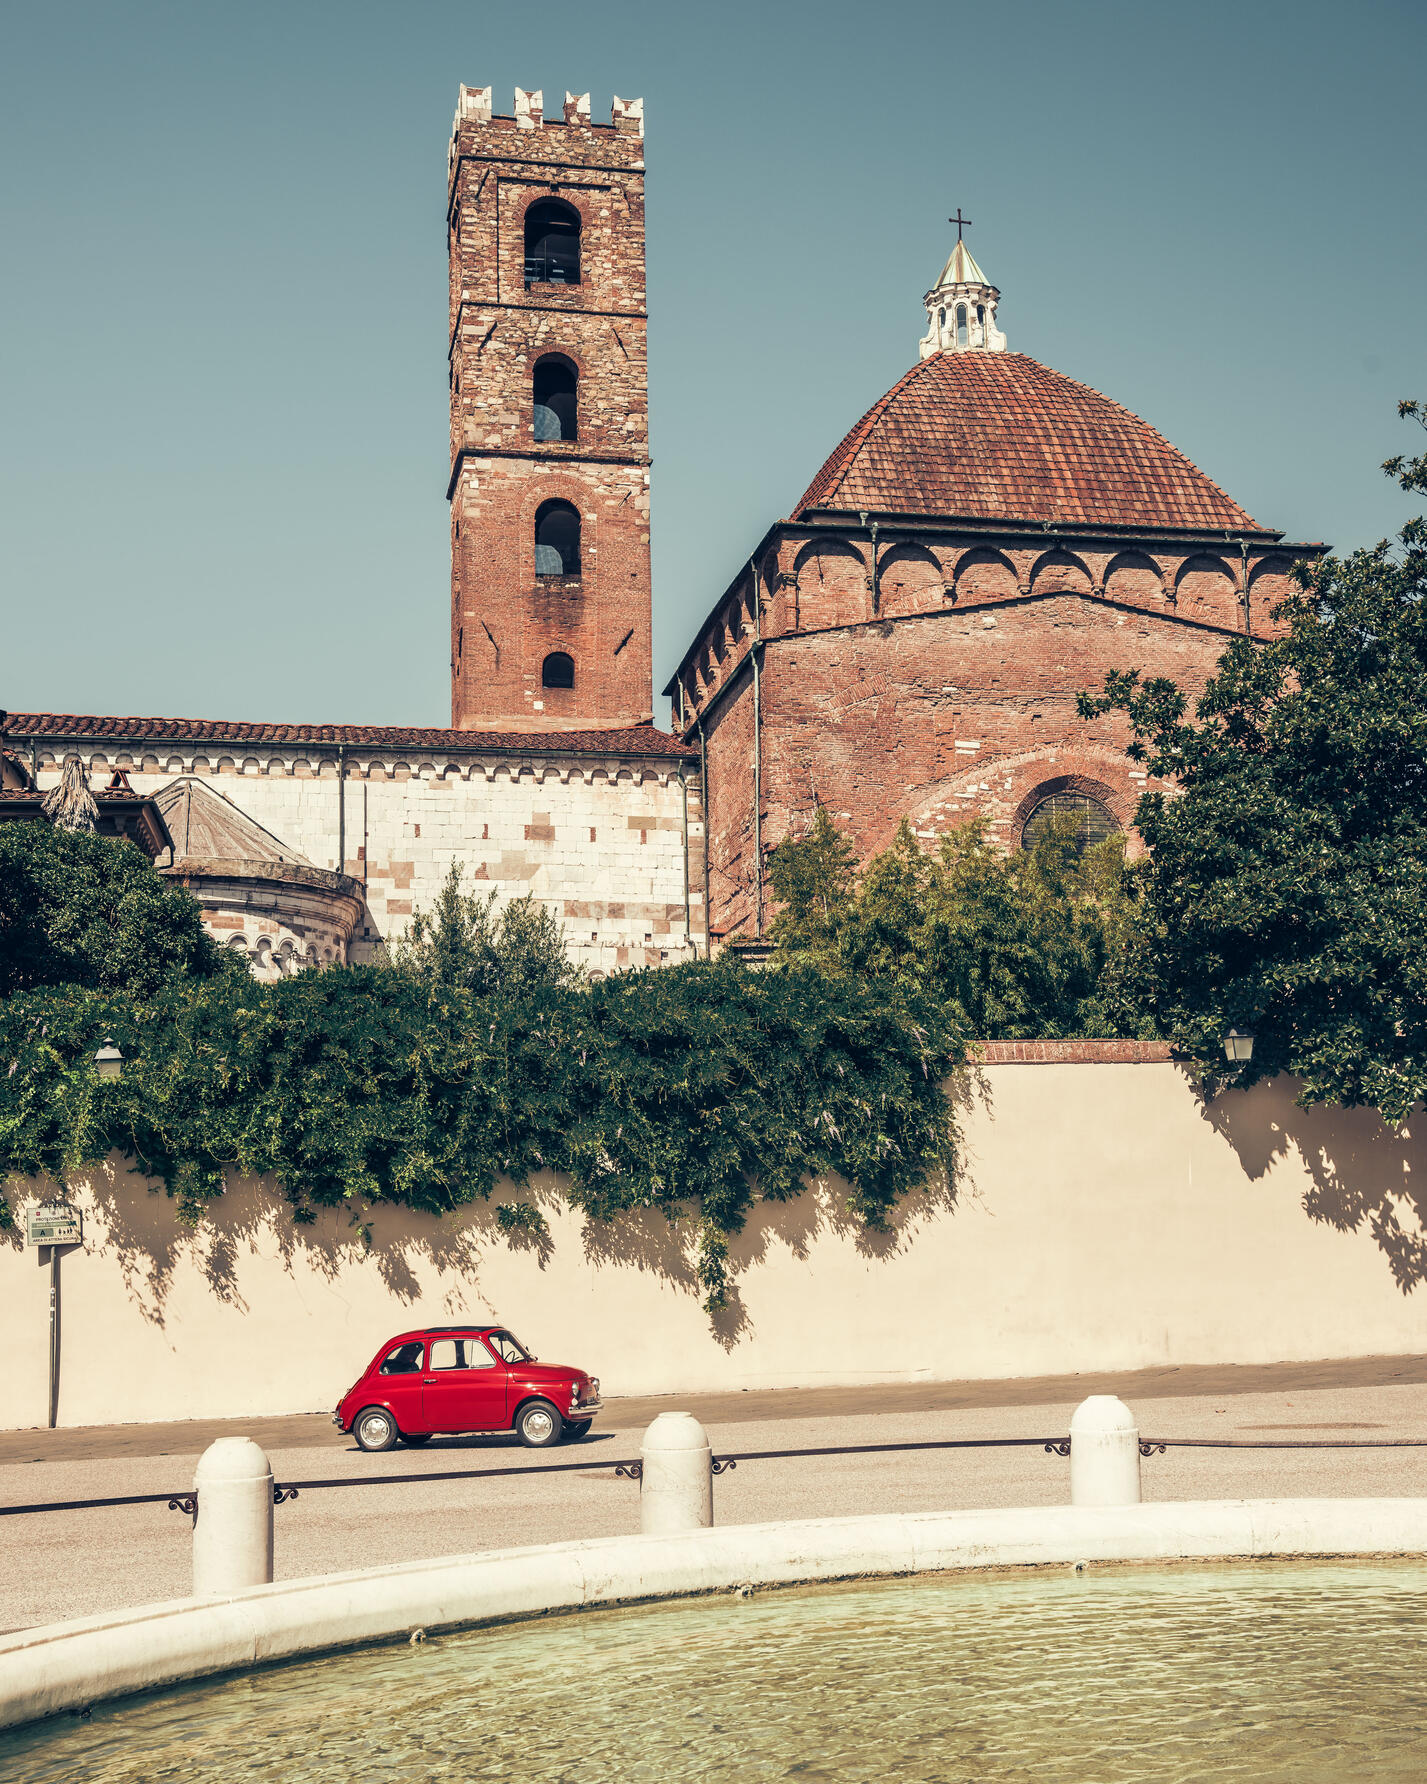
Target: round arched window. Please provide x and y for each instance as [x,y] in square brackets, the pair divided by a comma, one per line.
[558,670]
[1093,821]
[557,539]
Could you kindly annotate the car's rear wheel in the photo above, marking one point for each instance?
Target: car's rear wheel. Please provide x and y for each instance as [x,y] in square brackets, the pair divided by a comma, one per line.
[415,1437]
[575,1429]
[375,1429]
[538,1425]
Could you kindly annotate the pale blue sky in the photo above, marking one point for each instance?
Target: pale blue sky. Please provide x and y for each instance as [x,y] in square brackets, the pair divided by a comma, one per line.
[223,445]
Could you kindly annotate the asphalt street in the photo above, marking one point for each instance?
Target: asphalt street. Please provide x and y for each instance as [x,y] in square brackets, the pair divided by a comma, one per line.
[56,1565]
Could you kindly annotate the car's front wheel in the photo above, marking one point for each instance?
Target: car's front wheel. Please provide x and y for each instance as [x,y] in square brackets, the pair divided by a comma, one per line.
[538,1425]
[575,1429]
[375,1429]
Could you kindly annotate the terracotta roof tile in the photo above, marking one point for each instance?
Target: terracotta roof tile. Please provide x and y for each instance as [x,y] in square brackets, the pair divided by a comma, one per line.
[634,740]
[999,436]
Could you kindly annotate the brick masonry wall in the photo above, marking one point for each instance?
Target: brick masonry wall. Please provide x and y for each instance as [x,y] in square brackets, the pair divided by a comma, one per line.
[599,841]
[505,621]
[957,700]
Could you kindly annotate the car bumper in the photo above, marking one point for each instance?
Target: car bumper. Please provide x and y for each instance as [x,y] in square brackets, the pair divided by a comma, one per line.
[578,1414]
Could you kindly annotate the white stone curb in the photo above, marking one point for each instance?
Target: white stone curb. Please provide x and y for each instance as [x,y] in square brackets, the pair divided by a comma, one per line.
[67,1665]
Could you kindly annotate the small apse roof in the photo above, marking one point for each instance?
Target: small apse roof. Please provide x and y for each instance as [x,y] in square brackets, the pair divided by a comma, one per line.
[207,827]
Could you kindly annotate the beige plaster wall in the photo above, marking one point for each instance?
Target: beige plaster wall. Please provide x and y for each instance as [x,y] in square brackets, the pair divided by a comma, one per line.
[1104,1220]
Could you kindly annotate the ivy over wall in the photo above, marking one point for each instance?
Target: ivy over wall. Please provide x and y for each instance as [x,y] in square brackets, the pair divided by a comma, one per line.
[693,1090]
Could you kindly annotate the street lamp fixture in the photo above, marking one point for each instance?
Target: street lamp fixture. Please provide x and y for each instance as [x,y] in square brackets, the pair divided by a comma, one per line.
[109,1061]
[1238,1047]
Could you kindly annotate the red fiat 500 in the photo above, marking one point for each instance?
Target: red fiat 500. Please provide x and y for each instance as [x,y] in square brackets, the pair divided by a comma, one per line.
[465,1378]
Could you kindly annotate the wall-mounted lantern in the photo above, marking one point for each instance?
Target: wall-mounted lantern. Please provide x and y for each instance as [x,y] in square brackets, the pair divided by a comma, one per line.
[109,1061]
[1238,1047]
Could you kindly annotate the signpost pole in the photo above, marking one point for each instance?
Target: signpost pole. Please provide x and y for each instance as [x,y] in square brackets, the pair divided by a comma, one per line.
[54,1225]
[54,1334]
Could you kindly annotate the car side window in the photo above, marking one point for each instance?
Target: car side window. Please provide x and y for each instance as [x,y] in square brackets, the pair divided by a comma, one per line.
[460,1353]
[404,1360]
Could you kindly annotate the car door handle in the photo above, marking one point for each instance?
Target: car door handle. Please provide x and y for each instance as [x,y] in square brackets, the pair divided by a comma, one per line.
[429,1381]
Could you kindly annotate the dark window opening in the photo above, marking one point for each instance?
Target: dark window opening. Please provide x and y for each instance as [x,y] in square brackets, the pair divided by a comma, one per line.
[557,540]
[558,670]
[553,390]
[1093,821]
[961,325]
[404,1360]
[552,244]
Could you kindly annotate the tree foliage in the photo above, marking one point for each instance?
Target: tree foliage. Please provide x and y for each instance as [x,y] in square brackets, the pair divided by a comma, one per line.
[80,909]
[488,948]
[1288,869]
[1043,942]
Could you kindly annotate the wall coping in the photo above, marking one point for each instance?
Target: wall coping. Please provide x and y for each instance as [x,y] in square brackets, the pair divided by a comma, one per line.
[65,1666]
[1072,1052]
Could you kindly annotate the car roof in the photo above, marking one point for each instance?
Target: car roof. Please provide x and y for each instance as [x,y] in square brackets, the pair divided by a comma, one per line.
[434,1331]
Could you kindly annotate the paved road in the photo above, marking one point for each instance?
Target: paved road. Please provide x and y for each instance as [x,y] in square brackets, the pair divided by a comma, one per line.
[55,1565]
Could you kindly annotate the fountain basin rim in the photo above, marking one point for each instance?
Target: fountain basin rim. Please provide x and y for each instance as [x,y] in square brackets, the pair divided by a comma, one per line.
[61,1667]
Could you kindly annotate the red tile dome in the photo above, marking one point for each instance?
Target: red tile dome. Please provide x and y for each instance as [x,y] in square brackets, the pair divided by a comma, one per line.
[999,436]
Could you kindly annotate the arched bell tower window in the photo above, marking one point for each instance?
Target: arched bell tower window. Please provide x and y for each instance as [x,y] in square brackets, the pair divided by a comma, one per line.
[557,539]
[558,670]
[1093,821]
[961,325]
[554,389]
[552,243]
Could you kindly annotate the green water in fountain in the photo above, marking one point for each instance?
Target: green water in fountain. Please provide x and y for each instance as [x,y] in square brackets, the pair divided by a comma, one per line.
[1260,1671]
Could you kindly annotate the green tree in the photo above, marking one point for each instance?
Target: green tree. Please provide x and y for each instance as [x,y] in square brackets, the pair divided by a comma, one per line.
[1039,943]
[1288,869]
[80,909]
[472,941]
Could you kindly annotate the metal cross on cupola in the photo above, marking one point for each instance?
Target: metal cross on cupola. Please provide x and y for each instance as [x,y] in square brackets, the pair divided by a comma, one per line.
[961,306]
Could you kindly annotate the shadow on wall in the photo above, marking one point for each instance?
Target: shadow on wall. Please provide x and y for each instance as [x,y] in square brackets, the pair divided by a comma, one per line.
[1363,1173]
[148,1243]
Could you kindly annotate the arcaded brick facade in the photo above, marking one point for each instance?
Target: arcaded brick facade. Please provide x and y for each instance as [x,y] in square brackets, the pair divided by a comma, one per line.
[506,620]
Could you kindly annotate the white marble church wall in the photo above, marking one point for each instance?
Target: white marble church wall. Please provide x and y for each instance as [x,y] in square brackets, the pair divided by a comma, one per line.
[600,841]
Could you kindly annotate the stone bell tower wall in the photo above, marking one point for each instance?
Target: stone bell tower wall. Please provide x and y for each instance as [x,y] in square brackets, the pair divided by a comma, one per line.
[505,620]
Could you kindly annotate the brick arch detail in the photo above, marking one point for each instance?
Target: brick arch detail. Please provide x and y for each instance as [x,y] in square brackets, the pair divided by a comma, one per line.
[1116,804]
[1050,569]
[983,558]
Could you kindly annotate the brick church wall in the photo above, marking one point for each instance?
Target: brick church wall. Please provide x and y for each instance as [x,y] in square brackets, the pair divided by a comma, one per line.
[948,694]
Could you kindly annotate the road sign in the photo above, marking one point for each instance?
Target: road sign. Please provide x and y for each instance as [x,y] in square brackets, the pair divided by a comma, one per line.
[53,1223]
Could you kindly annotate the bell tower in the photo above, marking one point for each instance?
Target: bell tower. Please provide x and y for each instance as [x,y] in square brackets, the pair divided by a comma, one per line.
[549,487]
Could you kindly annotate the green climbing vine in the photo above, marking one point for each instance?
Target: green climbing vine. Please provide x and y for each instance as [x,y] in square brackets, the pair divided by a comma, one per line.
[694,1090]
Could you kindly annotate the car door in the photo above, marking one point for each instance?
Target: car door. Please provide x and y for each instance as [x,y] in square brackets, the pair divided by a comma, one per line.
[463,1388]
[398,1380]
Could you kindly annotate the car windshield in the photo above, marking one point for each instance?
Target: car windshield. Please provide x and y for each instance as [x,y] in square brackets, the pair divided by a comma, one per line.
[508,1347]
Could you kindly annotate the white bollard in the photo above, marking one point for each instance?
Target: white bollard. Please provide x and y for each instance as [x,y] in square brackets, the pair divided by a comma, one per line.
[1104,1453]
[676,1482]
[233,1531]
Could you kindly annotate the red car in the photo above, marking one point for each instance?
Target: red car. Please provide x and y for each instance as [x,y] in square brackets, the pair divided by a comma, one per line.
[465,1378]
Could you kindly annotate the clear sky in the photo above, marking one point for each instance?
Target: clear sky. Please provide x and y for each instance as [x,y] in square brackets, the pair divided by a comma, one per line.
[223,432]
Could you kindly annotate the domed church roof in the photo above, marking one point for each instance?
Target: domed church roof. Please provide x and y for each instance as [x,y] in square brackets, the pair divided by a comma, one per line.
[999,436]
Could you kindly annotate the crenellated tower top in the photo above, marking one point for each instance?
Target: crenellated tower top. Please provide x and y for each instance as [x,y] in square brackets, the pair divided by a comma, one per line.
[474,106]
[961,306]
